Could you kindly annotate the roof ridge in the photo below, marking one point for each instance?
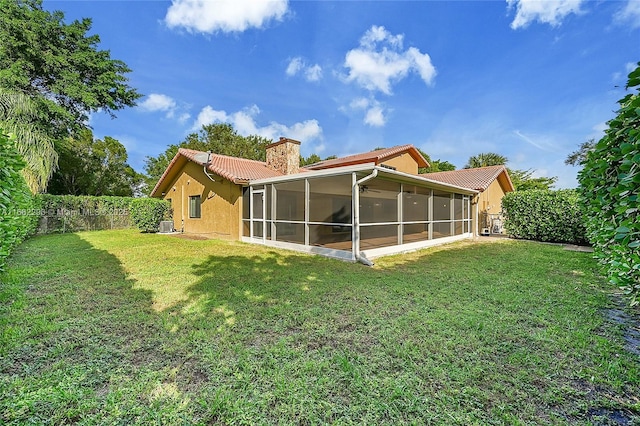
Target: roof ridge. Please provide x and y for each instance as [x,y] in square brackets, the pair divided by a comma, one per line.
[373,155]
[225,156]
[499,166]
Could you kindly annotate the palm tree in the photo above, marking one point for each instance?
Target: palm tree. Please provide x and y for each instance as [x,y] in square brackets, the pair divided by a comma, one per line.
[18,116]
[485,159]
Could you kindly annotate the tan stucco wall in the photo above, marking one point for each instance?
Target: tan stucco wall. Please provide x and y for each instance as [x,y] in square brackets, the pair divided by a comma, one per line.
[403,163]
[491,199]
[490,202]
[220,209]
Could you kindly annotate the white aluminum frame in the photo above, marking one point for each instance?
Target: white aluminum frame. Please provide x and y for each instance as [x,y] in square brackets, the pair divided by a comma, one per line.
[355,253]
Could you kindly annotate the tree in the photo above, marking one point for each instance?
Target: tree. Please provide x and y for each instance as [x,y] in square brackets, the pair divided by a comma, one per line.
[18,115]
[579,157]
[610,189]
[485,159]
[440,166]
[59,67]
[314,158]
[91,166]
[220,138]
[434,165]
[522,180]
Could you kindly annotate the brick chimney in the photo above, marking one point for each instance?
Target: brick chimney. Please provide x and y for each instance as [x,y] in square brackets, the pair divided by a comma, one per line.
[284,156]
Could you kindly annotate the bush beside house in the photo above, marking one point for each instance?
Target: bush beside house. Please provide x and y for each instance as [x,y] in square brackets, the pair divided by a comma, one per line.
[16,202]
[147,213]
[544,215]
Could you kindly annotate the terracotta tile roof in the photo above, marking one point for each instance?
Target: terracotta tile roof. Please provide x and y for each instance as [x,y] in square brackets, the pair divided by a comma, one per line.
[237,170]
[478,179]
[376,157]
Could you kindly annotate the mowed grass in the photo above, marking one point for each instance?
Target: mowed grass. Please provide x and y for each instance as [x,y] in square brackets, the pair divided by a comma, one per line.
[118,327]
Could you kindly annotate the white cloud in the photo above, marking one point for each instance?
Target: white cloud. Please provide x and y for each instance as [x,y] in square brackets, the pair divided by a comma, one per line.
[184,117]
[298,65]
[539,143]
[380,61]
[228,16]
[313,73]
[550,12]
[629,14]
[360,103]
[374,115]
[208,116]
[295,66]
[244,121]
[159,102]
[630,66]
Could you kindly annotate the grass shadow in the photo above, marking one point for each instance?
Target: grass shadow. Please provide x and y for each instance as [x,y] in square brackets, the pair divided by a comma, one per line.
[118,327]
[79,341]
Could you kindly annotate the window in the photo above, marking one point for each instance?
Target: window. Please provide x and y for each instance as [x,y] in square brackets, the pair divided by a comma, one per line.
[194,207]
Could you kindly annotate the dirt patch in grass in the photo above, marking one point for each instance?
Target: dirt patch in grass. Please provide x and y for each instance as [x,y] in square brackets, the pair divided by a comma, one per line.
[189,237]
[629,322]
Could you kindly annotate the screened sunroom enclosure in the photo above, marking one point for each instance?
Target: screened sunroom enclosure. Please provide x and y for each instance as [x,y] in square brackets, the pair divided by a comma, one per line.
[354,212]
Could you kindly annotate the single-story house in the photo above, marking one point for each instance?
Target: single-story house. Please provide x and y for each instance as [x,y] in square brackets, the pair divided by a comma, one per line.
[354,208]
[491,182]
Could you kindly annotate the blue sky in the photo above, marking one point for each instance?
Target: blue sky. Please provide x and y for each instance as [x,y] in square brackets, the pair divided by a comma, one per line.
[528,79]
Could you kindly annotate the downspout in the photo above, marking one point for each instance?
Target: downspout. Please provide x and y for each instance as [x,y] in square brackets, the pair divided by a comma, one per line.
[182,207]
[355,194]
[477,204]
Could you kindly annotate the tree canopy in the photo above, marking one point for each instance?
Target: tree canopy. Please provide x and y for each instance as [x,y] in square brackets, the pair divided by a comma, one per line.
[579,157]
[219,138]
[19,116]
[522,179]
[61,70]
[485,159]
[435,165]
[314,158]
[91,166]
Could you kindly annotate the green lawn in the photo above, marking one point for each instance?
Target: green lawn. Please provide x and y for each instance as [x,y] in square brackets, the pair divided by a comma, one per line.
[118,327]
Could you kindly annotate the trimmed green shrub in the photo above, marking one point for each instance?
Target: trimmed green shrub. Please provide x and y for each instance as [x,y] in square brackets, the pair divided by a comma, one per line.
[610,187]
[544,215]
[18,210]
[147,213]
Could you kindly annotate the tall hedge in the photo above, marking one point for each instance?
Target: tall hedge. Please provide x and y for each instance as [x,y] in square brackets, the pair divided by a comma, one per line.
[17,206]
[544,215]
[70,213]
[610,187]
